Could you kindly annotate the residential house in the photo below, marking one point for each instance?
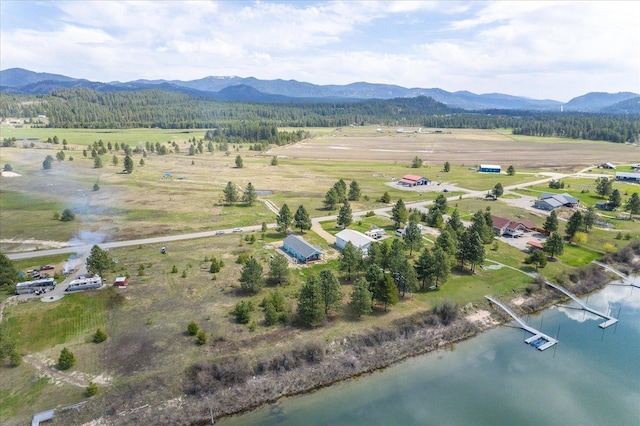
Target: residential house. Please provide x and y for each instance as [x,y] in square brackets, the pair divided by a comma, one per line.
[300,249]
[358,239]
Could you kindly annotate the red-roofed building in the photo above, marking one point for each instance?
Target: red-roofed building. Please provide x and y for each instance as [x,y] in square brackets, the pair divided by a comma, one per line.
[504,226]
[413,180]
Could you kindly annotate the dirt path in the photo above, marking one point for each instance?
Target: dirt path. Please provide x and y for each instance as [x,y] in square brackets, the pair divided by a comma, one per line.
[317,228]
[57,377]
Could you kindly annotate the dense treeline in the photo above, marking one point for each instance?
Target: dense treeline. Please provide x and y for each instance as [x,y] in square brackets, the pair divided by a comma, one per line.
[83,108]
[260,133]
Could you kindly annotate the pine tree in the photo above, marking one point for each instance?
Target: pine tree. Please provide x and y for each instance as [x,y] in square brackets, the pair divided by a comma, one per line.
[251,279]
[310,307]
[344,215]
[278,270]
[424,266]
[354,191]
[551,222]
[574,224]
[350,259]
[412,237]
[360,302]
[399,213]
[66,360]
[554,245]
[447,167]
[239,162]
[387,294]
[341,189]
[100,336]
[250,195]
[633,205]
[301,219]
[331,199]
[230,193]
[329,290]
[98,261]
[284,219]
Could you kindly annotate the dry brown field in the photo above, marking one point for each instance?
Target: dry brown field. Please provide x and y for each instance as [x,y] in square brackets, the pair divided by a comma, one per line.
[466,147]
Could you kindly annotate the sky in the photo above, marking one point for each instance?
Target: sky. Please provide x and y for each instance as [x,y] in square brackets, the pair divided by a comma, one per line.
[538,49]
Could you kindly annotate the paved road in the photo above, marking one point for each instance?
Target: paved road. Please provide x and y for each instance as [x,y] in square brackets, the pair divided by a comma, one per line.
[169,238]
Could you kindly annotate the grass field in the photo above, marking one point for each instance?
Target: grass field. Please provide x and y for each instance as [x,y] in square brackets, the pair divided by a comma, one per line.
[146,323]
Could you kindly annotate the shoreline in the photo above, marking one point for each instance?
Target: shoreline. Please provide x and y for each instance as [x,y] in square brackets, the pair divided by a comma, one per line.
[349,358]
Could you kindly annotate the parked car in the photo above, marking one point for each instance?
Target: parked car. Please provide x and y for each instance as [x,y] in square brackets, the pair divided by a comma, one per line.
[237,229]
[219,232]
[47,267]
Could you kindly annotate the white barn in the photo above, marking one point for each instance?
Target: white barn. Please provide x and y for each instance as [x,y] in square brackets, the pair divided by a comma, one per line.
[358,239]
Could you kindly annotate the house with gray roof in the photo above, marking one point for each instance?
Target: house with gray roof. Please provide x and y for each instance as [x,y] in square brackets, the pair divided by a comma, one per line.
[300,249]
[551,201]
[358,239]
[628,177]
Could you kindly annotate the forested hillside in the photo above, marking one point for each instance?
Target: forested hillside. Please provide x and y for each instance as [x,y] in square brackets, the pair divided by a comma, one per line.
[83,108]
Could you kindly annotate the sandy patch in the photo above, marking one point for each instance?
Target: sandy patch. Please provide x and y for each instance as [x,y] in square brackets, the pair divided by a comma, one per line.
[518,301]
[29,243]
[10,174]
[481,317]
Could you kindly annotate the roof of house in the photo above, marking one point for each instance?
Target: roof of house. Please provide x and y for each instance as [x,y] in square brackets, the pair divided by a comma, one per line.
[407,181]
[628,175]
[489,166]
[535,244]
[552,202]
[501,222]
[562,198]
[356,238]
[301,247]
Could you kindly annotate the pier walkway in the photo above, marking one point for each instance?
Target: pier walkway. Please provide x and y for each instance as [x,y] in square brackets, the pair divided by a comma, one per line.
[618,273]
[539,340]
[609,319]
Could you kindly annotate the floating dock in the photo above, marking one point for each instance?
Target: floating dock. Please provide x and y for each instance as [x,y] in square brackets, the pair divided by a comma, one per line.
[609,319]
[618,273]
[539,340]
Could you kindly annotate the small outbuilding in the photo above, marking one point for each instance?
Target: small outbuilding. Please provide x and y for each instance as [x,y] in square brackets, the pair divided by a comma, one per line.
[300,249]
[489,168]
[413,180]
[121,282]
[628,177]
[358,239]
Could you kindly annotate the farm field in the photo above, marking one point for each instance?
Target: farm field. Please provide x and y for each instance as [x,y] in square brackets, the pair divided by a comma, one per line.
[148,351]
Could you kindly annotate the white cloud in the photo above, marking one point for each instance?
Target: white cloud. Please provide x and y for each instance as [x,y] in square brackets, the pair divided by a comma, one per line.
[537,49]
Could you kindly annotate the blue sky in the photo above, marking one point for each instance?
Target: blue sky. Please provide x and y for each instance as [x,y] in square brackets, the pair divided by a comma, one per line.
[543,50]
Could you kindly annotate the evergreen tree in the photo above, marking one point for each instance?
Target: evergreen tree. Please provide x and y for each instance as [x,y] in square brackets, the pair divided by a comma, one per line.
[279,270]
[456,222]
[633,205]
[387,293]
[574,224]
[310,304]
[511,171]
[434,218]
[551,222]
[447,167]
[66,360]
[8,272]
[386,198]
[404,276]
[441,204]
[412,237]
[350,259]
[250,195]
[251,279]
[344,215]
[67,215]
[97,162]
[604,186]
[361,300]
[230,193]
[442,266]
[192,328]
[331,199]
[497,190]
[354,191]
[399,213]
[274,160]
[448,241]
[416,163]
[99,336]
[615,199]
[537,258]
[270,314]
[475,250]
[98,261]
[239,162]
[329,290]
[301,219]
[46,164]
[554,245]
[589,218]
[424,266]
[128,164]
[284,219]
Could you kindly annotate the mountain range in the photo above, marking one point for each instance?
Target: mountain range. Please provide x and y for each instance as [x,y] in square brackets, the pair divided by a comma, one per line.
[249,89]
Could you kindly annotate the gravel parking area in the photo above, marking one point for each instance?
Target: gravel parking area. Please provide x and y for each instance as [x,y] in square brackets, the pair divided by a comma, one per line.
[521,242]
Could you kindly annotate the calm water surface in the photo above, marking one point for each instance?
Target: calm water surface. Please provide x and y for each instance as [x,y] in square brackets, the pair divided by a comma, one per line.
[591,378]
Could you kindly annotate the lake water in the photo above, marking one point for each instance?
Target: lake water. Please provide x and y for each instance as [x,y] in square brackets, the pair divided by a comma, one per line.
[592,377]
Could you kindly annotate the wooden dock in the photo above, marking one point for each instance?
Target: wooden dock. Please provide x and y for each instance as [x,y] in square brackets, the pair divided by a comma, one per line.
[625,278]
[609,319]
[539,340]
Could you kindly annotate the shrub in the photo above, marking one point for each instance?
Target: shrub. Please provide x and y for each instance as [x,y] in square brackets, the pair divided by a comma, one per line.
[192,328]
[100,336]
[242,311]
[608,248]
[67,359]
[201,337]
[174,270]
[92,389]
[67,216]
[243,257]
[447,312]
[15,359]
